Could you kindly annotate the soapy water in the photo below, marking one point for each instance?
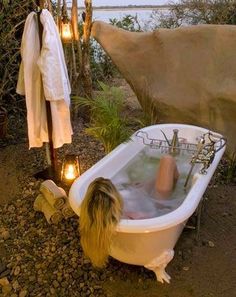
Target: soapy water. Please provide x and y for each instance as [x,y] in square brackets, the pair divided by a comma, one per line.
[136,180]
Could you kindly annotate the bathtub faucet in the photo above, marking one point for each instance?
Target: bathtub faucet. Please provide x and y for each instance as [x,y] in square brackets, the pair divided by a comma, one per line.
[174,146]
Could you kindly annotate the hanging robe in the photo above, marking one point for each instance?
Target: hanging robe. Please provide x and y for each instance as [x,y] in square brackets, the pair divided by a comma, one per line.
[43,75]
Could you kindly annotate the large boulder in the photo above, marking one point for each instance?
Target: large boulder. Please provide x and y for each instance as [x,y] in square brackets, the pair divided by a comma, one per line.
[184,75]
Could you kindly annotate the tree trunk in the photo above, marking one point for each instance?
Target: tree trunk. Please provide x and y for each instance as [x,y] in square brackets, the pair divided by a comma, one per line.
[86,70]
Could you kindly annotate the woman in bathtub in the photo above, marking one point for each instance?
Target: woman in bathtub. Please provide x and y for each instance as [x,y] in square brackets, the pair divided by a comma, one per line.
[104,205]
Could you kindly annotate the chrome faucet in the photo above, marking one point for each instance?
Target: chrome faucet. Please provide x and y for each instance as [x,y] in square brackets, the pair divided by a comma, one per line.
[174,146]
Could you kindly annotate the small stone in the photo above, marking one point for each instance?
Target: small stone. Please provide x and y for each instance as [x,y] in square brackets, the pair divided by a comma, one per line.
[15,285]
[18,258]
[185,268]
[32,278]
[17,270]
[6,289]
[11,209]
[52,291]
[55,284]
[23,293]
[4,234]
[4,281]
[211,243]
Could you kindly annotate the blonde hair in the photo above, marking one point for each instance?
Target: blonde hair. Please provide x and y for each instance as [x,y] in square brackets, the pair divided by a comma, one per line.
[100,213]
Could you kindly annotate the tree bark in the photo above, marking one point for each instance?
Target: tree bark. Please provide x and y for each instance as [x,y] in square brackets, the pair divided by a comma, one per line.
[86,70]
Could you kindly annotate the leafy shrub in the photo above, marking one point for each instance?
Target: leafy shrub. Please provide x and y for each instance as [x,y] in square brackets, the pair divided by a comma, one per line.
[128,22]
[107,123]
[12,18]
[193,12]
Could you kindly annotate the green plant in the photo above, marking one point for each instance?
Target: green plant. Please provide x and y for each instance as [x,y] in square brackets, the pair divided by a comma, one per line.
[107,123]
[128,22]
[193,12]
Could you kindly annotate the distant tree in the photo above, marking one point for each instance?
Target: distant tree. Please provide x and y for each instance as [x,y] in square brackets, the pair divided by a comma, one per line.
[192,12]
[128,22]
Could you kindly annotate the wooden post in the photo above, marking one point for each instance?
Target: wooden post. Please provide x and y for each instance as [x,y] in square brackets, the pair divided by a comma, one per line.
[51,155]
[59,14]
[74,23]
[86,71]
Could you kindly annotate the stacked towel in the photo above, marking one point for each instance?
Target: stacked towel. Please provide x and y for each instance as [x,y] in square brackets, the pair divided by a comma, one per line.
[52,215]
[55,197]
[66,209]
[53,202]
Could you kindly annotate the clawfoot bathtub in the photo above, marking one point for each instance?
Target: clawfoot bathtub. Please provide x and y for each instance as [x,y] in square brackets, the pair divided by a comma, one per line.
[150,242]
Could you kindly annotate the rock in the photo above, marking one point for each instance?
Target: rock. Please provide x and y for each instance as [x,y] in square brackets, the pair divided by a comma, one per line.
[211,243]
[11,209]
[23,293]
[6,289]
[185,268]
[52,291]
[4,282]
[17,270]
[15,285]
[4,234]
[55,284]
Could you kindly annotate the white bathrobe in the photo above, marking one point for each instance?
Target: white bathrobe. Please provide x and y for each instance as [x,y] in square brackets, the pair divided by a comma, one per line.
[43,75]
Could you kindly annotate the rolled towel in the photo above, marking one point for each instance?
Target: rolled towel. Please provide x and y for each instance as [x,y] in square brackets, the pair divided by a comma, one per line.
[66,209]
[55,197]
[52,215]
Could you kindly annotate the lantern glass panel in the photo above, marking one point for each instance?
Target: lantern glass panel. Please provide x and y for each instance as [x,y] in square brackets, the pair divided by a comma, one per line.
[66,31]
[70,168]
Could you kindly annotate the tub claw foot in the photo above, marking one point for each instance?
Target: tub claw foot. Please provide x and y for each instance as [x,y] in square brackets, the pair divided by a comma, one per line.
[159,264]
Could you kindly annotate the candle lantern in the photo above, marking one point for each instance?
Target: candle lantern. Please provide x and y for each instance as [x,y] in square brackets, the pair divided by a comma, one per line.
[65,26]
[70,168]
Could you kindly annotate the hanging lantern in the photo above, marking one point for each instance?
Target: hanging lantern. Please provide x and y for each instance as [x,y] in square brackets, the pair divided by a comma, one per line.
[70,168]
[66,28]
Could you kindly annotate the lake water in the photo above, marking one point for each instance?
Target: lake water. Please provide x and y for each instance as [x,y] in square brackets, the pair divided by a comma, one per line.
[143,15]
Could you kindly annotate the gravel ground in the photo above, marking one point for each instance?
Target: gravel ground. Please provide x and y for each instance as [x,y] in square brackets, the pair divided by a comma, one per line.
[38,259]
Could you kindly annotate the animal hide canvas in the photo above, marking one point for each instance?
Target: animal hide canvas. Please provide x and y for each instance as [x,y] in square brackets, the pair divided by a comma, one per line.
[187,75]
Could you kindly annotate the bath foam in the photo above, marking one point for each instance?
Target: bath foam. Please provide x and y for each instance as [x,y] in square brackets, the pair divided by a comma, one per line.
[136,184]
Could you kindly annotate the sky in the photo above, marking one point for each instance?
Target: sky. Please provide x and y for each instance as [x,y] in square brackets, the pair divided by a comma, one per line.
[124,2]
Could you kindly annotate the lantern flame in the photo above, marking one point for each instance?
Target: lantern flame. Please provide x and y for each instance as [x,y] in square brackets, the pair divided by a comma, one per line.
[66,32]
[70,172]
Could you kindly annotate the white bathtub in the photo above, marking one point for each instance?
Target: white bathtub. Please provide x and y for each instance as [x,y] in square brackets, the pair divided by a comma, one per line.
[147,242]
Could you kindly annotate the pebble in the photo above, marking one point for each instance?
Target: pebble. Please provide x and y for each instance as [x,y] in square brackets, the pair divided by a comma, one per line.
[211,243]
[4,281]
[15,285]
[23,293]
[6,289]
[11,209]
[4,233]
[17,270]
[55,284]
